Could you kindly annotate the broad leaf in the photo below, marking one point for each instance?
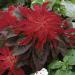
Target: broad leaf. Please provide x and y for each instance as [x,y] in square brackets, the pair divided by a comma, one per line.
[70,57]
[55,65]
[71,52]
[64,72]
[71,60]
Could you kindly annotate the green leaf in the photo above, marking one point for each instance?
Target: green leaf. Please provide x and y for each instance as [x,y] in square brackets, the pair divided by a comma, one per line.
[57,7]
[64,72]
[65,59]
[38,1]
[11,1]
[1,0]
[51,72]
[70,57]
[73,1]
[21,2]
[55,64]
[71,52]
[60,72]
[24,2]
[58,1]
[71,60]
[32,74]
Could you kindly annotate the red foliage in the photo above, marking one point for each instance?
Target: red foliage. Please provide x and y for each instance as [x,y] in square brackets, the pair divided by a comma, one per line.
[44,29]
[7,18]
[40,23]
[7,61]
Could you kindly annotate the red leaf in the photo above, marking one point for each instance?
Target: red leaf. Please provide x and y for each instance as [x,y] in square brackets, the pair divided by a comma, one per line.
[17,72]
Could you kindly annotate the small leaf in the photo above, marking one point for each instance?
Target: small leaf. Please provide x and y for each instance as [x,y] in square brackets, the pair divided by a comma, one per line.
[55,65]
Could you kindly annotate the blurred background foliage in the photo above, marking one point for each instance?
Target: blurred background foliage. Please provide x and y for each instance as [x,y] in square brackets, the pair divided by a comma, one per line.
[5,3]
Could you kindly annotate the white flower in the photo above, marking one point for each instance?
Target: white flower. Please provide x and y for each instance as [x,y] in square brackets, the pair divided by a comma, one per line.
[42,72]
[70,8]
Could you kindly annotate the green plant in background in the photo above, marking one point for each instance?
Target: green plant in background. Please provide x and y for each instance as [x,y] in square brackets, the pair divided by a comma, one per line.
[73,1]
[5,3]
[58,7]
[63,7]
[64,67]
[24,2]
[38,2]
[54,4]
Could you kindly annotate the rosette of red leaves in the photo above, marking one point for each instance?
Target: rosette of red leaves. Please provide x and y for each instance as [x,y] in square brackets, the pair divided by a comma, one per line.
[37,35]
[7,62]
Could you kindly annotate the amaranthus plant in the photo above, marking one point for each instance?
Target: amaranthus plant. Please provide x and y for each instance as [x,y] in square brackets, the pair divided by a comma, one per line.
[33,37]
